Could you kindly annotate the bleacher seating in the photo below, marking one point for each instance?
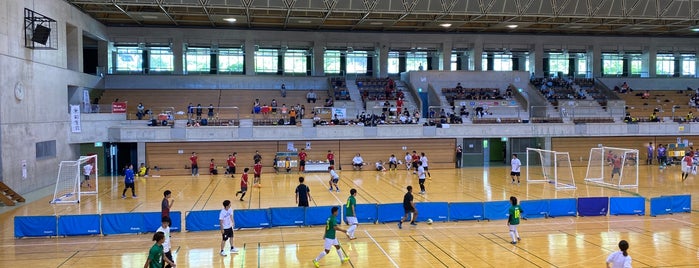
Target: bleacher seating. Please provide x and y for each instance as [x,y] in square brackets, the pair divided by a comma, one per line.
[375,89]
[177,100]
[566,89]
[660,101]
[338,86]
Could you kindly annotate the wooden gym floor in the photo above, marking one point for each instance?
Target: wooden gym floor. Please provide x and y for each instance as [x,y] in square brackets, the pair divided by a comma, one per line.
[666,241]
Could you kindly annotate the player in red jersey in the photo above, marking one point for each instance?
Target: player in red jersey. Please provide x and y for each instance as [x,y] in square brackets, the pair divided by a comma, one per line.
[302,160]
[257,168]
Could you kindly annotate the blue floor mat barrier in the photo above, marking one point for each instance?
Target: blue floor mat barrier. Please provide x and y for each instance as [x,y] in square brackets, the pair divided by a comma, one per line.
[250,218]
[69,225]
[437,211]
[466,211]
[535,208]
[152,220]
[122,223]
[497,210]
[563,207]
[366,213]
[593,206]
[34,226]
[289,216]
[660,205]
[390,212]
[627,206]
[681,203]
[318,215]
[203,220]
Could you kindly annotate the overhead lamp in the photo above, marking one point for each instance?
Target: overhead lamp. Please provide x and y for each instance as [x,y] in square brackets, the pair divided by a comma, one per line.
[231,20]
[512,26]
[304,21]
[695,29]
[445,25]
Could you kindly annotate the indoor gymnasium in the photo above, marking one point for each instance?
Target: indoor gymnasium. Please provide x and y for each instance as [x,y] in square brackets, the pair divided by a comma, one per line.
[222,133]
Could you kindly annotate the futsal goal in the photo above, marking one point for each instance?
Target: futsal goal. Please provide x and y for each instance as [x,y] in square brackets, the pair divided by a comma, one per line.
[551,167]
[611,166]
[71,180]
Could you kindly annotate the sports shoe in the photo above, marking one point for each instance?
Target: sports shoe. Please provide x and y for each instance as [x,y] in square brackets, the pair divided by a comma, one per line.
[123,196]
[234,250]
[134,196]
[331,189]
[422,192]
[400,225]
[222,253]
[352,238]
[413,223]
[237,194]
[316,263]
[519,239]
[242,199]
[513,242]
[346,259]
[338,190]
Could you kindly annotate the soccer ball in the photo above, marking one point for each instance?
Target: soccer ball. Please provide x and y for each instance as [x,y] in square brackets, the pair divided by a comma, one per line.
[429,221]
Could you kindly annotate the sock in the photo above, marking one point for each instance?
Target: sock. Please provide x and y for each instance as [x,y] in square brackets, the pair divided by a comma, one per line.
[351,229]
[322,254]
[339,253]
[241,197]
[512,234]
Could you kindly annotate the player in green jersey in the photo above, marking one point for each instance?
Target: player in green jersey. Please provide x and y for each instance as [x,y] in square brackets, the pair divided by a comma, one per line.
[515,214]
[330,240]
[351,214]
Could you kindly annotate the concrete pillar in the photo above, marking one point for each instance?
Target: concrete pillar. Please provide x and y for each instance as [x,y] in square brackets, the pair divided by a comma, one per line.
[596,60]
[177,48]
[652,60]
[318,59]
[141,153]
[477,55]
[249,57]
[74,59]
[537,60]
[103,55]
[382,50]
[446,56]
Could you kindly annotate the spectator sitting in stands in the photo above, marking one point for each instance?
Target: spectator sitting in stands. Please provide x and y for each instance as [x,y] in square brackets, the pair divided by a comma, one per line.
[210,113]
[265,110]
[284,110]
[653,118]
[273,105]
[140,111]
[199,111]
[311,96]
[283,91]
[690,117]
[628,118]
[646,95]
[329,102]
[459,87]
[625,88]
[256,108]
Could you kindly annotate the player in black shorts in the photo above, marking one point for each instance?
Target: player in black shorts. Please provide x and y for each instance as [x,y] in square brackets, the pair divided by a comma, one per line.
[408,207]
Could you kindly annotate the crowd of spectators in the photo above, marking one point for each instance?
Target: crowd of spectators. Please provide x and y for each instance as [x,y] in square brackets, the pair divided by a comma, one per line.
[555,89]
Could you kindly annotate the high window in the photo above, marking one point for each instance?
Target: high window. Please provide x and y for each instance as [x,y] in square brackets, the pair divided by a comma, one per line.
[331,62]
[129,59]
[266,61]
[295,61]
[198,59]
[231,60]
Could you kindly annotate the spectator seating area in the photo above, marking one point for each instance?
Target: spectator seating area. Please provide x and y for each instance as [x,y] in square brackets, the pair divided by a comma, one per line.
[568,89]
[339,89]
[453,94]
[377,88]
[224,100]
[661,102]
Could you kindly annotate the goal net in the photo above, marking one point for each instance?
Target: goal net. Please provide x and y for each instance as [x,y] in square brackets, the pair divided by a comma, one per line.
[612,166]
[76,178]
[550,166]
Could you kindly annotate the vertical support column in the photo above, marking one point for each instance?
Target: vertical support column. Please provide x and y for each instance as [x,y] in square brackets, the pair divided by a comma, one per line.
[382,51]
[446,56]
[249,57]
[596,61]
[477,55]
[177,47]
[141,152]
[74,53]
[652,60]
[538,60]
[696,64]
[318,59]
[103,55]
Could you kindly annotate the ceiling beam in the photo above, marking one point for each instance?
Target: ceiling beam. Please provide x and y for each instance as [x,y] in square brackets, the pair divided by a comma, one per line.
[248,4]
[125,13]
[369,6]
[289,4]
[203,4]
[330,6]
[160,5]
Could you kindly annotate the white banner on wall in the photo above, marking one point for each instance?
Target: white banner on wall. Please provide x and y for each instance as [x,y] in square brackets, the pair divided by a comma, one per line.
[75,126]
[340,112]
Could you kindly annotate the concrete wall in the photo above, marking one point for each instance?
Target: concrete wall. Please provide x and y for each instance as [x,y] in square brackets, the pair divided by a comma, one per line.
[653,83]
[213,82]
[42,114]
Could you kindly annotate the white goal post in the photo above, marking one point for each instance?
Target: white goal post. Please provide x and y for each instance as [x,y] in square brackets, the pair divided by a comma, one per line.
[75,178]
[611,166]
[551,167]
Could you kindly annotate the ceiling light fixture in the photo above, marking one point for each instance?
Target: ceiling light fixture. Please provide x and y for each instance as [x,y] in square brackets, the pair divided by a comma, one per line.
[695,29]
[305,21]
[445,25]
[231,20]
[376,23]
[512,26]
